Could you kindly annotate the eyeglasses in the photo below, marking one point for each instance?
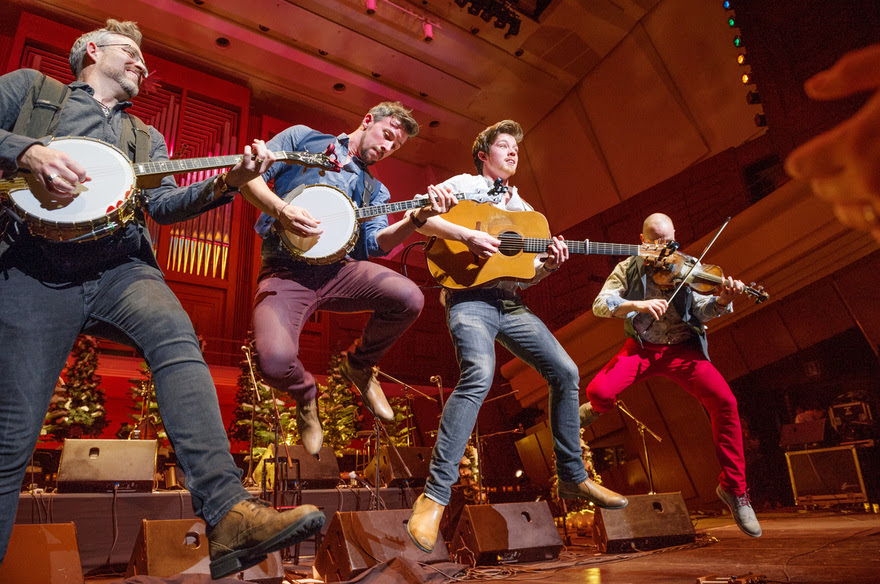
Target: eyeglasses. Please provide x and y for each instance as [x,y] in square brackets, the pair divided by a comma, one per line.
[128,50]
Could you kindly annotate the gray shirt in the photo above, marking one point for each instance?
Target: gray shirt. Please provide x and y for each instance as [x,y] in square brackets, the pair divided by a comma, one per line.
[82,116]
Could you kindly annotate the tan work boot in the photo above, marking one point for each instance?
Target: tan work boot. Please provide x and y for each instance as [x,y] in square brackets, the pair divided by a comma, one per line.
[310,426]
[371,392]
[252,529]
[424,524]
[587,414]
[595,493]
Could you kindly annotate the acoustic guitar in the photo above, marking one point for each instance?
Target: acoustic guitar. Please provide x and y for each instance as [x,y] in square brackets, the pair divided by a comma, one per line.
[522,233]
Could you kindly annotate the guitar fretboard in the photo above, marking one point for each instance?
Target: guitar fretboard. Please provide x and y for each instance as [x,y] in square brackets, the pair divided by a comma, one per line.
[586,247]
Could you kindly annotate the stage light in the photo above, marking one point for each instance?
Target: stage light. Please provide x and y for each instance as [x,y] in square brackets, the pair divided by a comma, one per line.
[518,473]
[726,4]
[753,98]
[428,29]
[737,42]
[371,6]
[760,120]
[742,59]
[730,22]
[747,79]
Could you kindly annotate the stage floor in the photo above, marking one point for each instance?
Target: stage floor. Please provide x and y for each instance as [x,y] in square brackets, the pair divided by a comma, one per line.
[797,547]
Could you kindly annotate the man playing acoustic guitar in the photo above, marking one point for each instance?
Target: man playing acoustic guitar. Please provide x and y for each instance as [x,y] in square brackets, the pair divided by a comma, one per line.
[476,318]
[290,290]
[668,338]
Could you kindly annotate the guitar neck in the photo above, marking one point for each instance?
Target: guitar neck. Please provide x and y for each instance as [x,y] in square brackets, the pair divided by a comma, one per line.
[364,213]
[586,247]
[183,165]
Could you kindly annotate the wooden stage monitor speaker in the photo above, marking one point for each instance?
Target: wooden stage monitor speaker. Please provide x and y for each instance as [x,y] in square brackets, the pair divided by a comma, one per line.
[649,522]
[411,466]
[505,533]
[99,466]
[168,547]
[42,554]
[358,540]
[321,472]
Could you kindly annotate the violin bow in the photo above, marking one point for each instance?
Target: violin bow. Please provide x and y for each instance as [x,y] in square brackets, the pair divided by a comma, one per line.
[700,259]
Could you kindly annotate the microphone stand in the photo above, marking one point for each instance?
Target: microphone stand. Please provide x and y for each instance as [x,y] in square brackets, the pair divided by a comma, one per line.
[642,428]
[407,388]
[248,480]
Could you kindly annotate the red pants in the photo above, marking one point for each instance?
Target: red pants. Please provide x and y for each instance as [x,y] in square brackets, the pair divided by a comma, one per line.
[685,365]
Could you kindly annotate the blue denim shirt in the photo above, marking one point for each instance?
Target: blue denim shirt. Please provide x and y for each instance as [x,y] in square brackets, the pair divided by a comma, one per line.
[354,180]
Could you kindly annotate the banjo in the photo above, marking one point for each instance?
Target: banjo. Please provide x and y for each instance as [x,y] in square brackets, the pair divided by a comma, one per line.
[339,220]
[107,202]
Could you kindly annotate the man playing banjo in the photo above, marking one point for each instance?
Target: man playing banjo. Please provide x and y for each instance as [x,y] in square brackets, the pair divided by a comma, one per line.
[112,286]
[291,288]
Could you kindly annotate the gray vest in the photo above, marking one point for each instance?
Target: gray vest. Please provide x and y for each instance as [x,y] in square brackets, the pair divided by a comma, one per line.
[636,285]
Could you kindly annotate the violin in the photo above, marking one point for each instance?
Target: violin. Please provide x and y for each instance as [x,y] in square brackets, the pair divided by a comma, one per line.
[672,266]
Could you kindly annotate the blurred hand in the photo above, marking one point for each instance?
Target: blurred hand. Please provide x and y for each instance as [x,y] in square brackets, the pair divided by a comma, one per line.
[843,164]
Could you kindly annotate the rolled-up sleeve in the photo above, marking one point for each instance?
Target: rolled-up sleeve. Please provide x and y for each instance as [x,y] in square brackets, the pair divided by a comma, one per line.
[611,295]
[372,227]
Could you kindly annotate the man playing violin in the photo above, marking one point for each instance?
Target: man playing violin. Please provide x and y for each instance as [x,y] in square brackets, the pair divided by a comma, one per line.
[50,292]
[477,318]
[668,339]
[290,291]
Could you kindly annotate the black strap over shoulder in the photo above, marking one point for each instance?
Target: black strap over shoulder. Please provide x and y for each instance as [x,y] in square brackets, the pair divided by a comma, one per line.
[41,111]
[136,134]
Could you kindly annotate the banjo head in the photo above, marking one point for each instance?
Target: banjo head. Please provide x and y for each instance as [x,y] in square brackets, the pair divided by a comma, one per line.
[336,214]
[97,203]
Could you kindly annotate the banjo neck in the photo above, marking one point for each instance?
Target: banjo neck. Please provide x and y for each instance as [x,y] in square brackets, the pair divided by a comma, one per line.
[163,168]
[364,213]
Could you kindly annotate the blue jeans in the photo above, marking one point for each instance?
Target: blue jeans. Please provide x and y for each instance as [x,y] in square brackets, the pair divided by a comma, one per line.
[476,319]
[129,303]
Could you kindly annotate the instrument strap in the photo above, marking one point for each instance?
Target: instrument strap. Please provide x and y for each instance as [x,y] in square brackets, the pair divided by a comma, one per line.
[138,138]
[41,111]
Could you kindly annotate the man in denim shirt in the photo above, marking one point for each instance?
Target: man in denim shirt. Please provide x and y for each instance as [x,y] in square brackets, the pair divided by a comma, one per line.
[291,290]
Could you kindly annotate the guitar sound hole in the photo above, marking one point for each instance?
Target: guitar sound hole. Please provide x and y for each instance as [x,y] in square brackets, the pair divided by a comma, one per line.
[511,243]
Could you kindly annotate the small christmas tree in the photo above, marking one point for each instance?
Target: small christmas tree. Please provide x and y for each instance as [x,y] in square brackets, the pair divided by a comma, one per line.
[147,421]
[77,406]
[398,428]
[469,475]
[337,408]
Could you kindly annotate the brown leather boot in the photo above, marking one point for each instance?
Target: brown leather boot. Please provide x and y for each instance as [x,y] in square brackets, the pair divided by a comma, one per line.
[309,425]
[424,524]
[252,529]
[371,392]
[587,414]
[595,493]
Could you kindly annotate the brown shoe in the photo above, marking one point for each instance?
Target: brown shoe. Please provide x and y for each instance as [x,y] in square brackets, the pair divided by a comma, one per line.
[596,494]
[424,523]
[371,392]
[252,529]
[587,414]
[310,426]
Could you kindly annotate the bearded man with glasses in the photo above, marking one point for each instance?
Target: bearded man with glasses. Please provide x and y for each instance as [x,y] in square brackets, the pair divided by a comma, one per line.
[50,292]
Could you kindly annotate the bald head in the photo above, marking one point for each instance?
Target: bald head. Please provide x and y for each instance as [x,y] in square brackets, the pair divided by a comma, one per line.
[658,227]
